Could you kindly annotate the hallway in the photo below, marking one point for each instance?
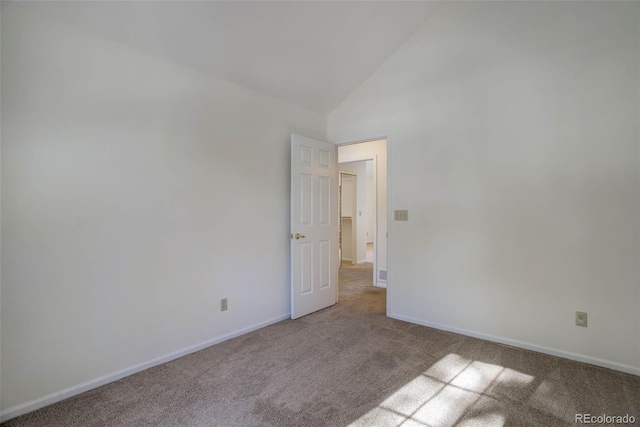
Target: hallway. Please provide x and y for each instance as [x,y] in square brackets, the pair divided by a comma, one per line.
[356,289]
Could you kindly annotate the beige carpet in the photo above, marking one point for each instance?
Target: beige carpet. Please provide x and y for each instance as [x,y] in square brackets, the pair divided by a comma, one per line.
[349,364]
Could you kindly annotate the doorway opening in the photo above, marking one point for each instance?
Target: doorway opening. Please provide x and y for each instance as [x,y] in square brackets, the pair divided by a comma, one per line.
[315,224]
[363,217]
[348,228]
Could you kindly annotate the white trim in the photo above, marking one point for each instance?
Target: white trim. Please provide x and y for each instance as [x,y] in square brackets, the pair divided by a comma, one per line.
[389,225]
[357,139]
[380,283]
[534,347]
[57,396]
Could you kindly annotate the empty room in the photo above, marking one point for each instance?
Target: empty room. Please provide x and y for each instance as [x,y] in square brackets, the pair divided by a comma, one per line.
[171,231]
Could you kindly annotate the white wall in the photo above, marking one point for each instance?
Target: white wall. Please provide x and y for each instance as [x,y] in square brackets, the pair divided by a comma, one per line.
[348,219]
[515,145]
[135,193]
[365,150]
[371,202]
[359,212]
[347,205]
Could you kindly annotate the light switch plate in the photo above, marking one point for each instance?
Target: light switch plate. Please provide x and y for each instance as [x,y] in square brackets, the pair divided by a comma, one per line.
[401,215]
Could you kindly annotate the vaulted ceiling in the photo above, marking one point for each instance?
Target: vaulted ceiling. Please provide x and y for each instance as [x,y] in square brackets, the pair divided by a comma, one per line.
[312,54]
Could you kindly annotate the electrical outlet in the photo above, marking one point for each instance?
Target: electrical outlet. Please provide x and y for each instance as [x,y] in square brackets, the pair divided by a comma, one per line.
[581,319]
[223,304]
[402,215]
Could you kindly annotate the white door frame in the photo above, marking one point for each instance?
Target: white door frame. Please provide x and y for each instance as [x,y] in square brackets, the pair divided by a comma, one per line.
[368,138]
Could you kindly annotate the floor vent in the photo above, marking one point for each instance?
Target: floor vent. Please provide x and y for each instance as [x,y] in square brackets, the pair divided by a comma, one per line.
[382,275]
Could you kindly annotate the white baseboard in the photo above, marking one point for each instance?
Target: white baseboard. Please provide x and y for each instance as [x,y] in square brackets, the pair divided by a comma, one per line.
[347,259]
[534,347]
[57,396]
[381,285]
[364,261]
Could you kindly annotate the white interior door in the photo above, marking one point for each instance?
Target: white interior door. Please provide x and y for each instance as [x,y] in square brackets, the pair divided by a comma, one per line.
[314,225]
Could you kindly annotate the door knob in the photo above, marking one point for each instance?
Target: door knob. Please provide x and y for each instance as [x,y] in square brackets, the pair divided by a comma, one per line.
[300,236]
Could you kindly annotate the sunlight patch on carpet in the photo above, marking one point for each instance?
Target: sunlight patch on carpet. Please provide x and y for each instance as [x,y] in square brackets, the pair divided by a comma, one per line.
[445,393]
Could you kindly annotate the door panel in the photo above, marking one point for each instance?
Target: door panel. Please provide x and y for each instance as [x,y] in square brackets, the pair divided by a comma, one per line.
[325,264]
[306,268]
[306,200]
[325,200]
[314,225]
